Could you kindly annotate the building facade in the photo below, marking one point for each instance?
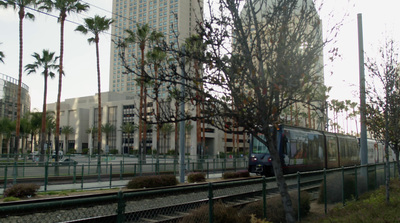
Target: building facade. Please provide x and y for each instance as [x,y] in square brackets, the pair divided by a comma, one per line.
[119,108]
[8,102]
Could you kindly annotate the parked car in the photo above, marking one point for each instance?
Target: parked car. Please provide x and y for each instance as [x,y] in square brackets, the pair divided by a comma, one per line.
[66,162]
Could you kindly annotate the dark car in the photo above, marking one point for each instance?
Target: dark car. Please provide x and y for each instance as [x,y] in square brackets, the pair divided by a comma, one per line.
[66,162]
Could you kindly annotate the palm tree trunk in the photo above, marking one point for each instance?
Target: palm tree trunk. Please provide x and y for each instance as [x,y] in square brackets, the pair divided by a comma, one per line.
[43,130]
[18,122]
[99,105]
[58,108]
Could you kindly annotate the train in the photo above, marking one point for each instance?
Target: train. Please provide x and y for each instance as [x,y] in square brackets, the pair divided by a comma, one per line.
[303,149]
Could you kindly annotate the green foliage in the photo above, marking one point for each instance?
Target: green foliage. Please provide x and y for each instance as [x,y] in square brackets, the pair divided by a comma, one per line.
[21,190]
[334,188]
[85,151]
[239,174]
[371,207]
[275,212]
[222,213]
[71,151]
[196,177]
[9,199]
[152,181]
[113,151]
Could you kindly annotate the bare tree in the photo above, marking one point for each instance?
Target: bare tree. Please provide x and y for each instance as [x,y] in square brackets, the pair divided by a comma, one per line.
[384,98]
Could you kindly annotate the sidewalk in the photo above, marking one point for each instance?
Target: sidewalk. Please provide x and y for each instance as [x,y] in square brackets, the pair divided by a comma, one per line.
[99,185]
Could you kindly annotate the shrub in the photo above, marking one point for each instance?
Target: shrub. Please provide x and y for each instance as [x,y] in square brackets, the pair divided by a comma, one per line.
[85,151]
[230,175]
[152,181]
[113,151]
[334,188]
[21,190]
[221,213]
[71,151]
[196,177]
[275,212]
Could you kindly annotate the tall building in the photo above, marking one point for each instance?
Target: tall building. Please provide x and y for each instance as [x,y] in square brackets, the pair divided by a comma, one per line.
[176,20]
[170,17]
[8,103]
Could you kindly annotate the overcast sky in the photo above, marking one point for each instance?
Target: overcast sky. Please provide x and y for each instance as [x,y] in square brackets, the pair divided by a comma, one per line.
[379,17]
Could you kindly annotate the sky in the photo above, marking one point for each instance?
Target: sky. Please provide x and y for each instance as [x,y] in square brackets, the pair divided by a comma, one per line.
[380,18]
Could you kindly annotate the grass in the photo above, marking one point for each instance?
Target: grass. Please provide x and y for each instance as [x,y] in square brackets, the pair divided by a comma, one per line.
[371,207]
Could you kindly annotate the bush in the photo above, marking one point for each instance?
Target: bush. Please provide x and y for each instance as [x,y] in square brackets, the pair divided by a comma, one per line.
[334,188]
[221,213]
[196,177]
[152,181]
[230,175]
[275,212]
[71,151]
[9,199]
[21,190]
[85,151]
[113,151]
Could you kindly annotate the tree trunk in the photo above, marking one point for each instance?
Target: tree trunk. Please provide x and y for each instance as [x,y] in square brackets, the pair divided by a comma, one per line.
[280,180]
[18,121]
[99,106]
[43,130]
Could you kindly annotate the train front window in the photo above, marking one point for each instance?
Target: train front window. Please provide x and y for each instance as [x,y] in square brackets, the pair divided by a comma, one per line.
[259,147]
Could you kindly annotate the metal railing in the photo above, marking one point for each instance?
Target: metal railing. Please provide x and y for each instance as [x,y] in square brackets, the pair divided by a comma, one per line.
[180,202]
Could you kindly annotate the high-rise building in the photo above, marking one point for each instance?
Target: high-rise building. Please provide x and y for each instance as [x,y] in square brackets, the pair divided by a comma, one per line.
[175,19]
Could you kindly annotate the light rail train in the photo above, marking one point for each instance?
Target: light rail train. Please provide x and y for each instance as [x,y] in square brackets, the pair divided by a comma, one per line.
[303,149]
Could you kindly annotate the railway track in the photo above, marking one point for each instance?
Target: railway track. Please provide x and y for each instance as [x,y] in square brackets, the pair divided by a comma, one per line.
[168,204]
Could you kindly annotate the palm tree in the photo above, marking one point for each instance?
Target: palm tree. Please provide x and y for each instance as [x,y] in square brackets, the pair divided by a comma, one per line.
[1,56]
[96,26]
[35,121]
[20,4]
[65,7]
[142,36]
[156,57]
[25,132]
[67,130]
[196,48]
[129,129]
[107,129]
[166,128]
[6,129]
[50,127]
[92,130]
[48,63]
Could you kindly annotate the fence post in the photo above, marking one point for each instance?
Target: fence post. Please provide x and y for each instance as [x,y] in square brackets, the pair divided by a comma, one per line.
[325,198]
[46,174]
[83,167]
[15,173]
[110,174]
[121,170]
[134,169]
[208,176]
[214,165]
[343,198]
[264,194]
[298,196]
[121,207]
[376,178]
[5,178]
[234,163]
[210,203]
[74,177]
[355,181]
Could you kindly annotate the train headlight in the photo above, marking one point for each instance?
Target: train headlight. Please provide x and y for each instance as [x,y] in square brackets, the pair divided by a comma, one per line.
[269,159]
[254,158]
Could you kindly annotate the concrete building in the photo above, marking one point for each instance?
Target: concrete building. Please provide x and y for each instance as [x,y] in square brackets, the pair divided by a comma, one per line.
[176,20]
[117,109]
[8,102]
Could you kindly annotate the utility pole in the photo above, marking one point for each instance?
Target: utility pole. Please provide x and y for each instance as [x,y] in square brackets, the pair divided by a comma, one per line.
[182,125]
[363,139]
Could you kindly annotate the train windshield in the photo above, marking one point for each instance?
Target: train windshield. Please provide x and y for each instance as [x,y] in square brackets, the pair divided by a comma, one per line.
[259,147]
